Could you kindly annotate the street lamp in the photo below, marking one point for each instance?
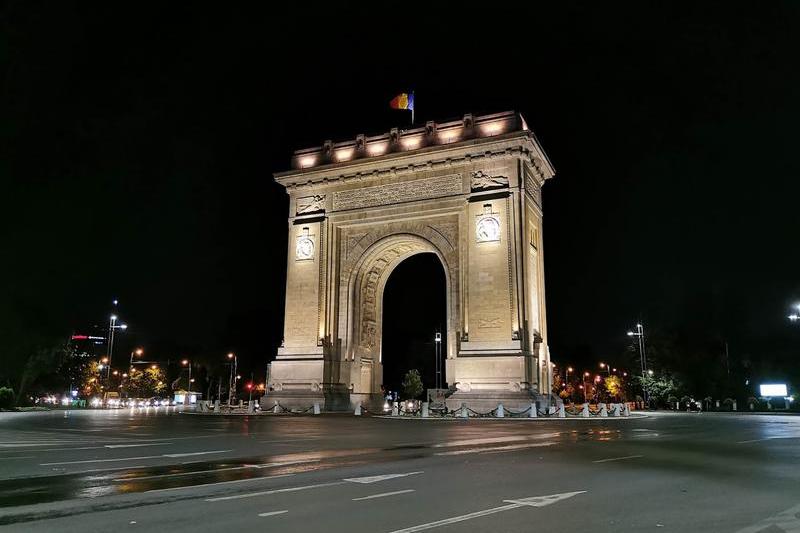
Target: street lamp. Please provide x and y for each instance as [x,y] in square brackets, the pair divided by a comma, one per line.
[234,367]
[794,317]
[639,334]
[437,341]
[112,327]
[606,367]
[188,363]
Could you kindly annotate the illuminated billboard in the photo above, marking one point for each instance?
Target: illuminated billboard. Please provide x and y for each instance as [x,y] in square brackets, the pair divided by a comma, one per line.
[774,390]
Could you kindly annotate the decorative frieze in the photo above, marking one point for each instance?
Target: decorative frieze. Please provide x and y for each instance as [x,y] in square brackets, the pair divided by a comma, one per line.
[393,193]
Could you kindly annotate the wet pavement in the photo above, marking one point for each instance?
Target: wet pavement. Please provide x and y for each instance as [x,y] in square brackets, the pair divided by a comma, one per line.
[153,469]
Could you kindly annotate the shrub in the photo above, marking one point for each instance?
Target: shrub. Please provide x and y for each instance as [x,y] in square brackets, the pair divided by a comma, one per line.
[412,384]
[6,398]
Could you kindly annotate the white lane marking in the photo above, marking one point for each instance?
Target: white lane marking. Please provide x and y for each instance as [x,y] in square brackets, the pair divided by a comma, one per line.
[195,453]
[137,445]
[273,513]
[17,457]
[542,501]
[245,467]
[383,495]
[171,455]
[104,469]
[219,483]
[618,458]
[768,438]
[788,520]
[497,448]
[494,440]
[274,491]
[534,501]
[375,479]
[101,460]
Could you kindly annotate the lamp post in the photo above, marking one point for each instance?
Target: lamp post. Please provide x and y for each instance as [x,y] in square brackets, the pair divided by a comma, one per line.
[188,363]
[112,327]
[437,341]
[234,362]
[639,334]
[795,317]
[605,368]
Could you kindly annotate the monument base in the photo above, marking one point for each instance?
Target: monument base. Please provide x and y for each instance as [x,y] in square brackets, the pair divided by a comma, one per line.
[486,400]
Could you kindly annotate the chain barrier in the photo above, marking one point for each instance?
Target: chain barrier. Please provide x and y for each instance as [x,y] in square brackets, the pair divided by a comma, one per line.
[519,414]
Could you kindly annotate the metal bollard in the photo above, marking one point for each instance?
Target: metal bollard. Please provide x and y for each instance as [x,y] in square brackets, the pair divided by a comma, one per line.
[561,412]
[316,408]
[603,410]
[464,413]
[216,406]
[424,409]
[358,410]
[734,405]
[627,411]
[251,407]
[585,410]
[395,409]
[500,412]
[276,408]
[532,413]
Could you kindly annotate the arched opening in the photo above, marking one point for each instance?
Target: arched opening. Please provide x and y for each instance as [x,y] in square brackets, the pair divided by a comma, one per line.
[414,309]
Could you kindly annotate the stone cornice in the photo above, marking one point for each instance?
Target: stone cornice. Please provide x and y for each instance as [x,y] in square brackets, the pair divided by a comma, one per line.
[443,145]
[519,144]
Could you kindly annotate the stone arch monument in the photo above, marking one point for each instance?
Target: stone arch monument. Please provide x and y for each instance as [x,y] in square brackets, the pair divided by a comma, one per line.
[468,191]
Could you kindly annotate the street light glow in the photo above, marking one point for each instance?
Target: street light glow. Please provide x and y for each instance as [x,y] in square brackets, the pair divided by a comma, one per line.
[113,317]
[185,362]
[230,355]
[139,351]
[602,365]
[154,367]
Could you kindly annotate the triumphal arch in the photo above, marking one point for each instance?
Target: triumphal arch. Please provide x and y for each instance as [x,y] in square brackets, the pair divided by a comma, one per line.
[468,191]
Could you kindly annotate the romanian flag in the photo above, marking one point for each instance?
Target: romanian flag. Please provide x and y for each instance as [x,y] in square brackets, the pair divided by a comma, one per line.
[403,101]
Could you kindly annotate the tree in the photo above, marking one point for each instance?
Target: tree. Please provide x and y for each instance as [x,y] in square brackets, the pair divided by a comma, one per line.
[613,386]
[659,388]
[145,383]
[412,384]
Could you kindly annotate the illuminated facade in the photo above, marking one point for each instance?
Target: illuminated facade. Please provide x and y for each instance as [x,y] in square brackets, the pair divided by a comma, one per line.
[468,191]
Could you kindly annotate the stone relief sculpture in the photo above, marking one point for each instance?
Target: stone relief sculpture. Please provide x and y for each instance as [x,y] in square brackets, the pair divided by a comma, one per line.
[481,181]
[311,204]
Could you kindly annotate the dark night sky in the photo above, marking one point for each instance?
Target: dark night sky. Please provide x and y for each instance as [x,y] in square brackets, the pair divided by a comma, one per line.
[138,139]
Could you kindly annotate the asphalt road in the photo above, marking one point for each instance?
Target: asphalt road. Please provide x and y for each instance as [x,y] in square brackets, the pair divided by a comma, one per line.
[159,470]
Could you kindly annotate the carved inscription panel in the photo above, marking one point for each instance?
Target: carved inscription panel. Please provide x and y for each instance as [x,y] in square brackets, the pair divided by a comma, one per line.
[398,192]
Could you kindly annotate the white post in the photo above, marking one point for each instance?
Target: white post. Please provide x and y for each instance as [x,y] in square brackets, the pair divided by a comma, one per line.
[464,413]
[251,407]
[425,409]
[358,410]
[585,410]
[500,412]
[532,413]
[627,411]
[734,405]
[276,408]
[603,410]
[316,408]
[561,412]
[216,406]
[395,409]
